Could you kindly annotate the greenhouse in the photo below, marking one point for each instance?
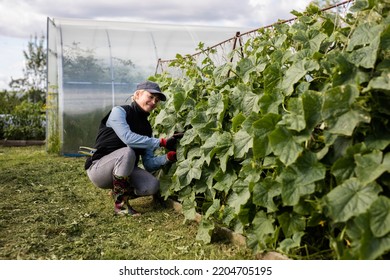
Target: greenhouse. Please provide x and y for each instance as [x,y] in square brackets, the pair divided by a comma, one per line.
[95,65]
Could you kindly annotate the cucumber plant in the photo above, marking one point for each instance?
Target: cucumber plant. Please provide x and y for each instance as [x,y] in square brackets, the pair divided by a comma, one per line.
[288,143]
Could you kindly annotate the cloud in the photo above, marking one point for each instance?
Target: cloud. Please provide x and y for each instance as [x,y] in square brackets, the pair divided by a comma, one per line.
[23,18]
[18,19]
[11,67]
[270,11]
[205,11]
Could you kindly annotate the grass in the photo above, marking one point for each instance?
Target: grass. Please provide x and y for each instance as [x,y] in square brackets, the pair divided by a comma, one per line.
[50,210]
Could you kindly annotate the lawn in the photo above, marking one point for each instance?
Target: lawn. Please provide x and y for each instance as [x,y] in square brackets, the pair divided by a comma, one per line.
[50,210]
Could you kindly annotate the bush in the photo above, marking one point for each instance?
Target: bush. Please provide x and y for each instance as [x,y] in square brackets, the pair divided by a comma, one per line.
[27,122]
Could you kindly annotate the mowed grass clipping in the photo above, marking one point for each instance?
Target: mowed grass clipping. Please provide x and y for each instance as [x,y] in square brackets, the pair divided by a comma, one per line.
[50,210]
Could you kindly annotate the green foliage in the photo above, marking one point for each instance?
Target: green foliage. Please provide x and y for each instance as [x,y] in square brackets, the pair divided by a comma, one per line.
[27,122]
[289,145]
[8,101]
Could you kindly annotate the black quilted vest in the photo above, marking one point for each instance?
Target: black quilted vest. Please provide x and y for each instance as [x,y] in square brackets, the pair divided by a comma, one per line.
[107,141]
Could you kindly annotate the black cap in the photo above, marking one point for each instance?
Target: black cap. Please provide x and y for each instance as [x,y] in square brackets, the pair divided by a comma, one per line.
[152,88]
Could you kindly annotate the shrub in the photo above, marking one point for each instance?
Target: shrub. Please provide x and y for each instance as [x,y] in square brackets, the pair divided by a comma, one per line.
[27,122]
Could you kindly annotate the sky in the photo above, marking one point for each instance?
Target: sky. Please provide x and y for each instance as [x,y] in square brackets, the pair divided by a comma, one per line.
[21,20]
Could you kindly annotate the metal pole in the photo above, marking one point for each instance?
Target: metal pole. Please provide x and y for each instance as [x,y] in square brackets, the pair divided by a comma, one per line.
[112,71]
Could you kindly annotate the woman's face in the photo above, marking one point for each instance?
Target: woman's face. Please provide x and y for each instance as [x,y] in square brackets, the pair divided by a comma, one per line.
[146,100]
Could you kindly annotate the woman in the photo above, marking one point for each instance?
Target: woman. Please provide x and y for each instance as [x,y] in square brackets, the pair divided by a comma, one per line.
[124,136]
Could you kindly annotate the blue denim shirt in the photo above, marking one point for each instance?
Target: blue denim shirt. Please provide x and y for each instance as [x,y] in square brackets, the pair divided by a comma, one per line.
[117,121]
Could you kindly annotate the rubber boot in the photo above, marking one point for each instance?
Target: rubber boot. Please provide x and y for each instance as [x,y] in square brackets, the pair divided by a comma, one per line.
[159,200]
[120,193]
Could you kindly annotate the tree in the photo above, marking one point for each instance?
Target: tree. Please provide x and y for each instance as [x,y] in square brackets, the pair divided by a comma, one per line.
[8,101]
[24,116]
[33,84]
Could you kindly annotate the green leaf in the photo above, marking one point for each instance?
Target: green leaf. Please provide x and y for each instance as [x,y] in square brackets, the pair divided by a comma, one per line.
[249,170]
[315,42]
[250,103]
[346,123]
[227,215]
[344,167]
[272,77]
[364,44]
[290,243]
[366,56]
[351,199]
[248,123]
[217,105]
[224,149]
[221,73]
[264,193]
[338,101]
[237,120]
[188,170]
[213,208]
[242,142]
[364,34]
[369,166]
[208,147]
[365,245]
[359,5]
[225,180]
[243,100]
[380,217]
[199,118]
[193,153]
[178,99]
[312,104]
[294,119]
[381,83]
[345,72]
[165,119]
[379,139]
[269,102]
[261,129]
[188,137]
[283,145]
[291,223]
[189,206]
[205,230]
[298,178]
[205,131]
[296,72]
[240,195]
[244,68]
[337,110]
[263,225]
[207,178]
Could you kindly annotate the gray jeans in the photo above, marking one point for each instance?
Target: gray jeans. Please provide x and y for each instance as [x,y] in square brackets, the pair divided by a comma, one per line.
[121,163]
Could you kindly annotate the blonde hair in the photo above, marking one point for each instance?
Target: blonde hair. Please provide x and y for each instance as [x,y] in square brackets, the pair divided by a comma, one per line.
[135,95]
